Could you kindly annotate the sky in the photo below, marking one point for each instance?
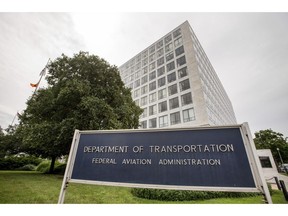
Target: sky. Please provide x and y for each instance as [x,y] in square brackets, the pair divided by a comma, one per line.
[249,52]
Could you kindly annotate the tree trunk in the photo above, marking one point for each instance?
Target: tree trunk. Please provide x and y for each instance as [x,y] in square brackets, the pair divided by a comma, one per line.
[52,165]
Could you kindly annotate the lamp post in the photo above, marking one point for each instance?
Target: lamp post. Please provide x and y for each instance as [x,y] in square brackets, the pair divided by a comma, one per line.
[280,156]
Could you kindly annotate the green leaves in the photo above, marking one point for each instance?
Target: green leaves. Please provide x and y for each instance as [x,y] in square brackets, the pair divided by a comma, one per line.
[85,92]
[269,139]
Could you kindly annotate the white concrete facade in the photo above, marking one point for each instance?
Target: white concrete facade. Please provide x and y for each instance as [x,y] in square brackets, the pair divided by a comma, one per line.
[175,83]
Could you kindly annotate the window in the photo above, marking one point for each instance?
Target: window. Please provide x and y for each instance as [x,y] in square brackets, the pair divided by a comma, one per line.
[184,85]
[144,89]
[145,70]
[137,93]
[144,114]
[145,54]
[181,61]
[143,124]
[162,93]
[186,99]
[265,162]
[188,115]
[171,77]
[162,107]
[178,42]
[152,49]
[152,86]
[145,61]
[137,74]
[152,75]
[152,97]
[172,89]
[173,103]
[152,110]
[163,121]
[170,66]
[179,51]
[160,71]
[137,83]
[143,101]
[160,61]
[131,77]
[152,66]
[168,39]
[138,66]
[144,79]
[152,57]
[169,56]
[138,58]
[176,33]
[168,47]
[152,123]
[182,72]
[175,118]
[130,86]
[160,53]
[159,44]
[161,81]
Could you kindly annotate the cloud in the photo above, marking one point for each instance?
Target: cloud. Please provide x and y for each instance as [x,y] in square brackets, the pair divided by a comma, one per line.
[27,41]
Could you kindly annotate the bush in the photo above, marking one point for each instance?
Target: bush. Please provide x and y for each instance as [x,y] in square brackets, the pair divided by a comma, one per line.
[44,167]
[14,162]
[177,195]
[28,167]
[60,169]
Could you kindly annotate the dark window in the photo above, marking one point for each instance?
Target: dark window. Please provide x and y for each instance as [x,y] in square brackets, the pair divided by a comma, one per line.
[152,75]
[184,85]
[170,66]
[162,106]
[169,56]
[161,71]
[144,79]
[152,86]
[188,115]
[168,39]
[182,72]
[177,33]
[152,123]
[175,118]
[173,103]
[161,81]
[186,99]
[265,162]
[179,51]
[171,77]
[143,124]
[181,61]
[172,89]
[160,61]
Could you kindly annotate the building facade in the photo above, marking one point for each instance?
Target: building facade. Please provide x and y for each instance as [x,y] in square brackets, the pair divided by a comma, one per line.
[175,84]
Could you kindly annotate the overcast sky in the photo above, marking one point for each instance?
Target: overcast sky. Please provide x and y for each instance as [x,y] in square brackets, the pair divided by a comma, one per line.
[249,52]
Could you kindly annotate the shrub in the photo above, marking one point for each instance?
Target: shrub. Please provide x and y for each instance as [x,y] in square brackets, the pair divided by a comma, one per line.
[177,195]
[14,162]
[60,169]
[43,166]
[28,167]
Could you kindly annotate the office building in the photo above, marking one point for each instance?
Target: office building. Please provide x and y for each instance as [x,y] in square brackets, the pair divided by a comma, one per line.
[175,84]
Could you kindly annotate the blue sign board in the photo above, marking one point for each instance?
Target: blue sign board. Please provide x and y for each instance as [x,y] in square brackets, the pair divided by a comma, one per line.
[214,157]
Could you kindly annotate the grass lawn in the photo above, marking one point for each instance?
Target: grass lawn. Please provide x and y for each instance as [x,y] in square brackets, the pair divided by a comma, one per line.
[28,187]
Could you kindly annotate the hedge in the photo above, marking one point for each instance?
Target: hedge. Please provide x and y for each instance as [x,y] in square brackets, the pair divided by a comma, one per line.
[14,162]
[179,195]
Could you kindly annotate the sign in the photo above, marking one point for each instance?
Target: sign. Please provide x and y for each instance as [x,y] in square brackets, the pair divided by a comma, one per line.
[213,158]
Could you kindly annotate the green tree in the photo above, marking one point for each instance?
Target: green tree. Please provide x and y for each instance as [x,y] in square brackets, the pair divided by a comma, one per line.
[84,92]
[10,142]
[269,139]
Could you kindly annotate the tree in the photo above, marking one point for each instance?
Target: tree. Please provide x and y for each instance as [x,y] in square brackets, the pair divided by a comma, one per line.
[10,142]
[84,92]
[269,139]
